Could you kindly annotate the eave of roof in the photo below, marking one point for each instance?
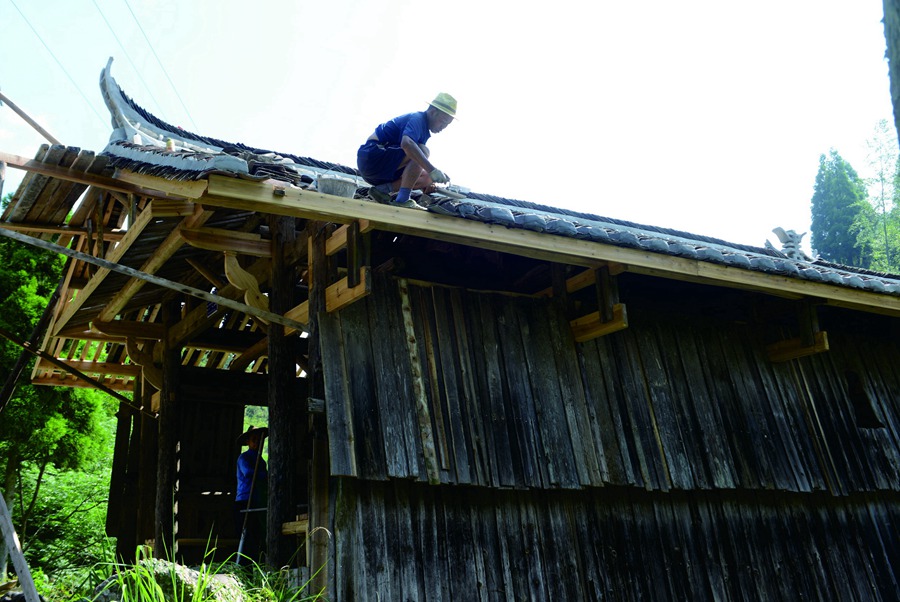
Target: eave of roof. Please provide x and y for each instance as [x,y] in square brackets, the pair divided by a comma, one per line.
[507,224]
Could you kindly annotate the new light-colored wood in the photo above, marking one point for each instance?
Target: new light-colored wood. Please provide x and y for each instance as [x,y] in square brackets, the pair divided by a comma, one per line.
[590,326]
[69,231]
[189,189]
[338,240]
[55,171]
[297,527]
[240,194]
[217,239]
[97,279]
[340,295]
[129,328]
[790,349]
[163,253]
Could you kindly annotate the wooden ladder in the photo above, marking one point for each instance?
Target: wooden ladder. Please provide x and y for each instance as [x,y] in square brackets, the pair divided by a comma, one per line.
[15,551]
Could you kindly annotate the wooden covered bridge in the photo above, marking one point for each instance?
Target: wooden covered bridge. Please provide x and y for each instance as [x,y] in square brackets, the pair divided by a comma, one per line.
[490,400]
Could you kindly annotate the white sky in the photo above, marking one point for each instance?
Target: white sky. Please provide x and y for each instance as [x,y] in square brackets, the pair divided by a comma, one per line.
[707,116]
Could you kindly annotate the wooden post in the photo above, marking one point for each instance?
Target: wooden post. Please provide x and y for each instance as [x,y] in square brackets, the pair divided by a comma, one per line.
[148,463]
[284,406]
[167,454]
[317,540]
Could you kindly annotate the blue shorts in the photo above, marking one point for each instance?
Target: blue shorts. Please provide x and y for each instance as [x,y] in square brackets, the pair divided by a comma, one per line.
[379,163]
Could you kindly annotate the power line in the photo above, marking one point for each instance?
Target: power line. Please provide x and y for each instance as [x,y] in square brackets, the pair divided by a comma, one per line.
[153,50]
[58,63]
[125,52]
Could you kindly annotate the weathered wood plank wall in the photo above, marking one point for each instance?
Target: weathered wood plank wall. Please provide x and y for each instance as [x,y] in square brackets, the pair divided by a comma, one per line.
[668,404]
[400,540]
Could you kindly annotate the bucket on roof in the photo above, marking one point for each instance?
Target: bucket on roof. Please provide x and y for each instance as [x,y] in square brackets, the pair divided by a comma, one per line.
[336,185]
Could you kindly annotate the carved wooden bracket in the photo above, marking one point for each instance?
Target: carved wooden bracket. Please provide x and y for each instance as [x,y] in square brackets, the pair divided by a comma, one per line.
[244,280]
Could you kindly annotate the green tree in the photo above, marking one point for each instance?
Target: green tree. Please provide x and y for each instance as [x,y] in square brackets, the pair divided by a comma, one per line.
[41,428]
[880,229]
[839,206]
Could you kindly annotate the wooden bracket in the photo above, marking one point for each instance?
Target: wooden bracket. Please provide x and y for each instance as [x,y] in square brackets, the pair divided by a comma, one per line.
[592,325]
[610,316]
[811,339]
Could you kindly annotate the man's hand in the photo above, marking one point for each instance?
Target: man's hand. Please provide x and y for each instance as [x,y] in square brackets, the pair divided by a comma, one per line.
[438,177]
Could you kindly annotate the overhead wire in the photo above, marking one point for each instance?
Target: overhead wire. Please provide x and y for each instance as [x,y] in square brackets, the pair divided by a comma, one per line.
[131,62]
[166,73]
[58,62]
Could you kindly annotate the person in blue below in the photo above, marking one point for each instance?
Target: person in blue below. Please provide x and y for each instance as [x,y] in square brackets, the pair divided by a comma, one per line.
[395,158]
[251,493]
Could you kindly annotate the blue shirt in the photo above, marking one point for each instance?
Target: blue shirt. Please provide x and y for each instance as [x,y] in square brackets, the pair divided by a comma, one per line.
[245,465]
[414,125]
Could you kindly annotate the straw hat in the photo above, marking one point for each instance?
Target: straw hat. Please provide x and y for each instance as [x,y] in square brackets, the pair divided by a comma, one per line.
[445,103]
[244,438]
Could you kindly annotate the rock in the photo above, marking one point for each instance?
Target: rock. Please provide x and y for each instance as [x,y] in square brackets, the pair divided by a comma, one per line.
[172,577]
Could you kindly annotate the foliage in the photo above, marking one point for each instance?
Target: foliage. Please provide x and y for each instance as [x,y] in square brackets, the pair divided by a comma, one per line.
[838,208]
[45,430]
[880,228]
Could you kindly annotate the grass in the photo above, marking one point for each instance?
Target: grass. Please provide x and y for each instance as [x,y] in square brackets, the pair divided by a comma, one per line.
[155,580]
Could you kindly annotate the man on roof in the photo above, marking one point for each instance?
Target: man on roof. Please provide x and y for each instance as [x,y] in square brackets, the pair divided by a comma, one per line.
[395,158]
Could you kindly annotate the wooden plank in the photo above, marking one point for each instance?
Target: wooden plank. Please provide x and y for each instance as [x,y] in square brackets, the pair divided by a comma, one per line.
[791,349]
[423,307]
[64,193]
[394,404]
[339,403]
[558,452]
[489,361]
[466,345]
[219,239]
[599,376]
[423,413]
[664,418]
[590,462]
[458,447]
[372,440]
[592,325]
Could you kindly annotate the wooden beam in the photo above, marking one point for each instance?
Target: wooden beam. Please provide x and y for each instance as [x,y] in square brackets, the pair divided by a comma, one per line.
[81,177]
[86,367]
[340,295]
[218,239]
[113,235]
[592,326]
[189,189]
[182,288]
[338,239]
[130,328]
[163,253]
[241,194]
[97,279]
[790,349]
